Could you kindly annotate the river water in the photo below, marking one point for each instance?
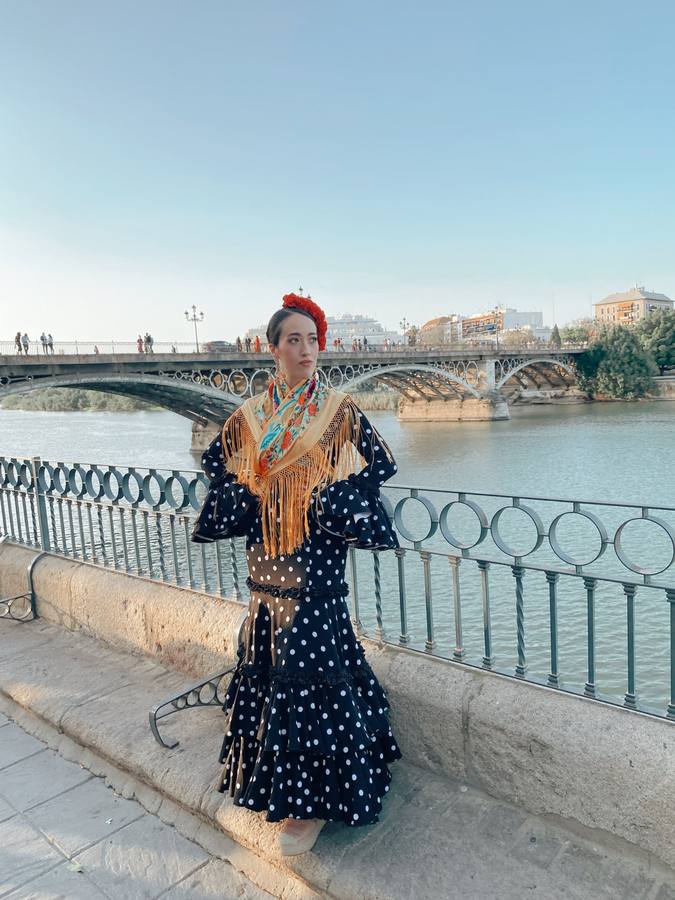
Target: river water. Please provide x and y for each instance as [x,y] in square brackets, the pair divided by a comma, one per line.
[610,452]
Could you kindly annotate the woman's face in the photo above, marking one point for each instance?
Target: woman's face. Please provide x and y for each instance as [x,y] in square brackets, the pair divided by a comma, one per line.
[297,350]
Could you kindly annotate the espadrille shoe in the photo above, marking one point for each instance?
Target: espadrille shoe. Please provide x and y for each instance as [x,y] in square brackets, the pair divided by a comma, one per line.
[292,845]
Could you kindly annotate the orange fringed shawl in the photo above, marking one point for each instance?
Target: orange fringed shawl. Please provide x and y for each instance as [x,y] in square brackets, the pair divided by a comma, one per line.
[324,453]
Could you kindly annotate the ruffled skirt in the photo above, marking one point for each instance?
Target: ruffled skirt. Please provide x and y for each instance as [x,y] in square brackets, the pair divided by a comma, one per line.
[307,732]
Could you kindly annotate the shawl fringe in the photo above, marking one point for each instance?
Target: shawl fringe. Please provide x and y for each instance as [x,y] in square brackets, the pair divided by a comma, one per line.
[286,494]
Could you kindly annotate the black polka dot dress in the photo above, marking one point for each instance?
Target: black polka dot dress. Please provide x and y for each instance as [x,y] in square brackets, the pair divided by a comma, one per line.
[306,732]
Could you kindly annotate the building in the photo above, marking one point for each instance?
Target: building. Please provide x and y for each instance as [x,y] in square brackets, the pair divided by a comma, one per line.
[441,330]
[347,327]
[630,306]
[486,325]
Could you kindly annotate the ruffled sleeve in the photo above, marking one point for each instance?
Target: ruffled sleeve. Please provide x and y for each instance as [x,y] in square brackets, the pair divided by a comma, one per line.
[352,508]
[229,508]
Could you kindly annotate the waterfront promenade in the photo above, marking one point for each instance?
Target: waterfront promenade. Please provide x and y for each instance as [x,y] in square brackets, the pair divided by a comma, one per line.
[438,836]
[68,833]
[537,758]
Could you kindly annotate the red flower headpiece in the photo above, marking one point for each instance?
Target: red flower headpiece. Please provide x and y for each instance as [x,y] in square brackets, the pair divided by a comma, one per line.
[309,306]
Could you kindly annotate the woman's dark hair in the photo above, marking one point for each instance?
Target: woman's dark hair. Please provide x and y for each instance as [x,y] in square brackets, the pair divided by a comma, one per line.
[274,325]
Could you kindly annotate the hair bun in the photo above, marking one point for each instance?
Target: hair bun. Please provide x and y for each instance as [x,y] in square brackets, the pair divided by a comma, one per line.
[309,306]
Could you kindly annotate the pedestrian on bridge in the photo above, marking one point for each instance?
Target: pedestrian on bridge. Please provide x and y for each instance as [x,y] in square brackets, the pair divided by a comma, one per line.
[139,344]
[43,341]
[238,344]
[17,341]
[50,343]
[257,345]
[25,341]
[297,471]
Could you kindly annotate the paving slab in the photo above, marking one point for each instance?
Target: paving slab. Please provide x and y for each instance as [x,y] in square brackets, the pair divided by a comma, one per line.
[60,883]
[31,781]
[16,745]
[141,860]
[24,854]
[6,811]
[216,880]
[92,802]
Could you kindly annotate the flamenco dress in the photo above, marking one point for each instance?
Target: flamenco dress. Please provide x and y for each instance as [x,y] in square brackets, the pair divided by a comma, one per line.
[307,733]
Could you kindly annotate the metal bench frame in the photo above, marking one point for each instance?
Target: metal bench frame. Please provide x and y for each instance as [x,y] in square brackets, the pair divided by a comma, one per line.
[209,692]
[29,605]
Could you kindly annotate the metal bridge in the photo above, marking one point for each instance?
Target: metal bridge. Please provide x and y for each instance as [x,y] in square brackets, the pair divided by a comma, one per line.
[206,388]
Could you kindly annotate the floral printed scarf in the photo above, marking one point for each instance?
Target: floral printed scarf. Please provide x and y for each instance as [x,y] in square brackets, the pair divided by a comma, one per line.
[284,415]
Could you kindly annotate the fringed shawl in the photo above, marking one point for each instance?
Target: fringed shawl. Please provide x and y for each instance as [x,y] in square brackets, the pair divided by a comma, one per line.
[325,452]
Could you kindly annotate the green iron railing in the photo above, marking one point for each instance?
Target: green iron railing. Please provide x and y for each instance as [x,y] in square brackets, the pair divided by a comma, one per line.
[577,595]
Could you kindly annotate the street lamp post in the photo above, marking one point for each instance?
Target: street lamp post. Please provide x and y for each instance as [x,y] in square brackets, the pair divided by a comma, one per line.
[404,325]
[195,317]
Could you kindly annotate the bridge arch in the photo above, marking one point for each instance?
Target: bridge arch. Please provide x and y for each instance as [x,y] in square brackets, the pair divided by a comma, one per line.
[407,380]
[505,370]
[197,400]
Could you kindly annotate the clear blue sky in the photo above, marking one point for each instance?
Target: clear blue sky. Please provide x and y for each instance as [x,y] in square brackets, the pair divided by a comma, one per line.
[393,158]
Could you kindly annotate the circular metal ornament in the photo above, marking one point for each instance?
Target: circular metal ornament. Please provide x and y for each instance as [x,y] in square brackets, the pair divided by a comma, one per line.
[45,478]
[195,501]
[176,479]
[131,480]
[94,491]
[401,528]
[153,489]
[78,489]
[12,474]
[335,376]
[242,377]
[502,544]
[60,479]
[627,561]
[26,476]
[114,491]
[449,535]
[261,377]
[567,557]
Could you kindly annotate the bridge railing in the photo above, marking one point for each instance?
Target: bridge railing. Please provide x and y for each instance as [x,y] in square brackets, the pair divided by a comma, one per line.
[577,595]
[107,347]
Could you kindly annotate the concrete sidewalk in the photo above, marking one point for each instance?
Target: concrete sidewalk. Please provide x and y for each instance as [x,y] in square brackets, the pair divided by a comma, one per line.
[437,837]
[64,834]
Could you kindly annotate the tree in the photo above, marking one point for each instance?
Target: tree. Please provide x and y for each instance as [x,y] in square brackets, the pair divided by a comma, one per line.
[556,340]
[580,331]
[616,365]
[657,335]
[514,339]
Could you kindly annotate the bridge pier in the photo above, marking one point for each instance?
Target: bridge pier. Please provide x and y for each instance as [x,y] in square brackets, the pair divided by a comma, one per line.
[462,409]
[202,435]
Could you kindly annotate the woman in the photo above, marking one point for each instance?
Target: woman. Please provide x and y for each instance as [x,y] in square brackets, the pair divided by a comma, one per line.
[297,471]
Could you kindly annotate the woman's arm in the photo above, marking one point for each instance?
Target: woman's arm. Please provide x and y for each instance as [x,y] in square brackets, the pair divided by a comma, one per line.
[228,507]
[352,507]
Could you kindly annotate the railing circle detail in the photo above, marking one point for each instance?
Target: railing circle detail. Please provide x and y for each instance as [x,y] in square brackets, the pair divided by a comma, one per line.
[169,494]
[554,541]
[76,472]
[627,561]
[401,528]
[117,492]
[153,489]
[449,535]
[503,545]
[129,478]
[94,492]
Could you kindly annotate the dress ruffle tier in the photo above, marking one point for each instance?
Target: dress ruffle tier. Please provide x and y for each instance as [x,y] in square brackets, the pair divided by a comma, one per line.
[308,746]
